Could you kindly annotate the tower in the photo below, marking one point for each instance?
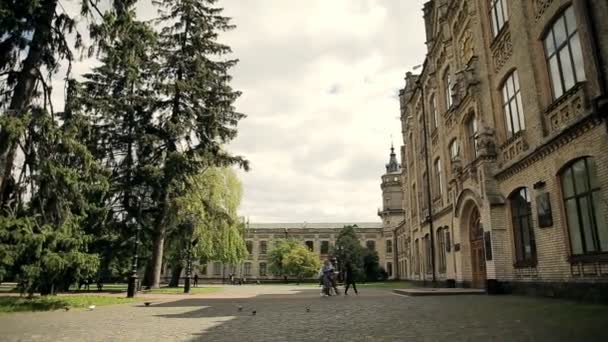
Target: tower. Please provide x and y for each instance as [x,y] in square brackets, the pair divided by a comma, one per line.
[391,213]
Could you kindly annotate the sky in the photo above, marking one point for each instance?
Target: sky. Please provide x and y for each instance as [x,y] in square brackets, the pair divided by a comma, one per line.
[320,81]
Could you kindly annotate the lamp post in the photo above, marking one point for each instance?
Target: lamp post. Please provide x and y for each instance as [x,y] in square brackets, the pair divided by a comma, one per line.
[132,286]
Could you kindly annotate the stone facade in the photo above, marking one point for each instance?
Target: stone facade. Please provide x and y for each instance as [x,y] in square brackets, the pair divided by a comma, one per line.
[320,236]
[509,111]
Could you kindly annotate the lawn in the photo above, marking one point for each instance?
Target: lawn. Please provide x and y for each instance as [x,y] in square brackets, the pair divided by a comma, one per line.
[180,290]
[48,303]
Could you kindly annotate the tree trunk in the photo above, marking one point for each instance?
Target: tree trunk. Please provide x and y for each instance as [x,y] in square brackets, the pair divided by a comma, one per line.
[24,89]
[176,272]
[157,257]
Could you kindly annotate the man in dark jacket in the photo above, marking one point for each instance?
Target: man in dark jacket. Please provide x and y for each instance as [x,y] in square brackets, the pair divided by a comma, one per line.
[349,278]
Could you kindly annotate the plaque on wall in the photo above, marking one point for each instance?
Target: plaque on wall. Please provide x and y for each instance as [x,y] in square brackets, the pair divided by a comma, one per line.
[487,238]
[543,209]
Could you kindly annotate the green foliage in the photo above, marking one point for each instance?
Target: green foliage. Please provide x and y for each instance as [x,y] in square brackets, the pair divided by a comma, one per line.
[348,249]
[371,266]
[301,263]
[277,254]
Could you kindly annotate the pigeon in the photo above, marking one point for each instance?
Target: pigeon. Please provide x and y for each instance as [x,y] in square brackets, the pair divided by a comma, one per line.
[308,309]
[253,312]
[66,308]
[147,303]
[240,308]
[91,307]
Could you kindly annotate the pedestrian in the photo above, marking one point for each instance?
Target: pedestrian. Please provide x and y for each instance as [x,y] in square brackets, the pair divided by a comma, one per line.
[328,270]
[195,279]
[334,282]
[349,278]
[231,279]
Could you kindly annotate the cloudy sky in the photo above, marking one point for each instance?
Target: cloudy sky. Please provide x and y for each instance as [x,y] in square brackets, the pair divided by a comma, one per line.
[319,81]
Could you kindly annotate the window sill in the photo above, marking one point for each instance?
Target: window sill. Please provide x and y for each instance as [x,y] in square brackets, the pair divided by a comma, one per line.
[564,97]
[525,264]
[588,258]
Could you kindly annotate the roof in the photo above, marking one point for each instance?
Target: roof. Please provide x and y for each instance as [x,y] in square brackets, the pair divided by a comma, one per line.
[308,225]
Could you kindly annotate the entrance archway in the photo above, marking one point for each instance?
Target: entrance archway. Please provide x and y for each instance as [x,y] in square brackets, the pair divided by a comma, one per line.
[478,259]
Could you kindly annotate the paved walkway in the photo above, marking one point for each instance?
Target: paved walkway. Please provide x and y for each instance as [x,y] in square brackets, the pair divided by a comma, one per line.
[375,315]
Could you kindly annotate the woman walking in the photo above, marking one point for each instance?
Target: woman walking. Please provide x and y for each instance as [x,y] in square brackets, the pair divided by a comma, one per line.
[328,271]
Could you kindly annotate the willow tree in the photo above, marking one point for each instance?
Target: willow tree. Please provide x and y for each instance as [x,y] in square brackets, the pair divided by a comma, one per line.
[195,112]
[207,213]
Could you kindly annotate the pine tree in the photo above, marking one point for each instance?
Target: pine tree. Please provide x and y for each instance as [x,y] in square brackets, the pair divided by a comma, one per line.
[196,117]
[118,97]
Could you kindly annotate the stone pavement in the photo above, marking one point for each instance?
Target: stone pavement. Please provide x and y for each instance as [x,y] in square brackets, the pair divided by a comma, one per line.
[375,315]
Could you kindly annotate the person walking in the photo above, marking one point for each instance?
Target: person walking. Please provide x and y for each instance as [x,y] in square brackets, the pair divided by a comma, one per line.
[328,270]
[195,279]
[349,278]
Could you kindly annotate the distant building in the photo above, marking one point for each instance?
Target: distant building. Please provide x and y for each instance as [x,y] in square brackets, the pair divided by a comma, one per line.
[319,237]
[511,106]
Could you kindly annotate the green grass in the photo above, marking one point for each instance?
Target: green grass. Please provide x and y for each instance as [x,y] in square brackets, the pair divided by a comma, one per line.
[180,290]
[48,303]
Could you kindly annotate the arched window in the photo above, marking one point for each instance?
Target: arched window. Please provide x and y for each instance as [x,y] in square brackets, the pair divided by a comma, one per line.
[514,113]
[585,210]
[454,149]
[434,114]
[414,201]
[471,129]
[441,258]
[499,14]
[416,257]
[427,254]
[523,232]
[563,52]
[438,178]
[447,82]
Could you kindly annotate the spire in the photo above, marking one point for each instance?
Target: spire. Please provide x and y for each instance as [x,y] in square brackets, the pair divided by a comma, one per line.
[393,165]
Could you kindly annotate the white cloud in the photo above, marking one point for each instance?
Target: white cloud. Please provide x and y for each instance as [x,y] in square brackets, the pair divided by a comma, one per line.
[319,80]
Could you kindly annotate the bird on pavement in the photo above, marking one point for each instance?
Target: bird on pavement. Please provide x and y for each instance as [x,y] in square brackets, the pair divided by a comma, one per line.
[308,309]
[253,312]
[91,307]
[240,308]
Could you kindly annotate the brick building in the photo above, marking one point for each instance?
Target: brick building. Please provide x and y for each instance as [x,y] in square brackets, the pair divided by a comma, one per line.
[505,139]
[318,237]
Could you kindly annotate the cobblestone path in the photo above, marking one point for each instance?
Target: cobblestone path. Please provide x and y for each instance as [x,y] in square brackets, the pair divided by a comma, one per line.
[282,315]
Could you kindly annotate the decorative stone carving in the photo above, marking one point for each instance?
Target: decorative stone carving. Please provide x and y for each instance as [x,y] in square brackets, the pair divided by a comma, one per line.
[502,51]
[567,109]
[514,147]
[461,18]
[486,143]
[456,166]
[467,50]
[540,6]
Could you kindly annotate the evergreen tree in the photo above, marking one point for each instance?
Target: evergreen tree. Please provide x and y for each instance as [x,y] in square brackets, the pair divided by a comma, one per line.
[195,113]
[118,97]
[348,248]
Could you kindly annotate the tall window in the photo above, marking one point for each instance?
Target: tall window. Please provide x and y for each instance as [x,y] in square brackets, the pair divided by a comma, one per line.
[427,254]
[416,257]
[389,246]
[564,55]
[472,136]
[414,201]
[371,245]
[523,232]
[438,178]
[435,121]
[584,208]
[262,269]
[310,245]
[441,250]
[324,247]
[447,81]
[425,198]
[514,113]
[389,269]
[263,247]
[249,245]
[454,149]
[499,14]
[217,268]
[247,270]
